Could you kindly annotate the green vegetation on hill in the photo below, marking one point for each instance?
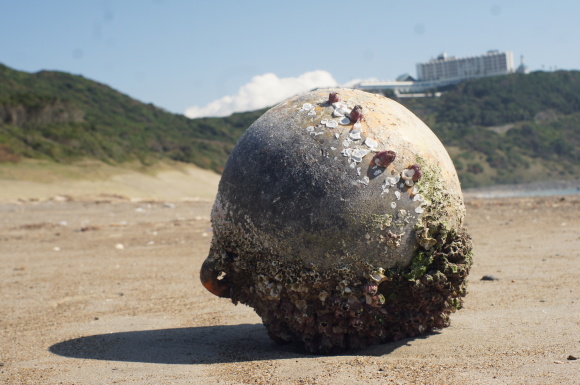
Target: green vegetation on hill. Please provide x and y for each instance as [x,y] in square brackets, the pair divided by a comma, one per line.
[63,117]
[507,129]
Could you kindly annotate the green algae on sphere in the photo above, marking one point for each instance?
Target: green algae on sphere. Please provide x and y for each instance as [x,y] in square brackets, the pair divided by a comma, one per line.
[332,250]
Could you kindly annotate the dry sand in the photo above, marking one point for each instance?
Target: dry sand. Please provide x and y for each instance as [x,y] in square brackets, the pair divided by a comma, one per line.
[102,289]
[168,180]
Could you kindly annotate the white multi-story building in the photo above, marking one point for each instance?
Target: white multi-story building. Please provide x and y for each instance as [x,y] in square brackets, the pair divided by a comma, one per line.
[444,71]
[451,68]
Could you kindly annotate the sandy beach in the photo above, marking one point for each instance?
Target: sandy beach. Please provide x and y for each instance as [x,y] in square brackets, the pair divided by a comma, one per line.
[100,285]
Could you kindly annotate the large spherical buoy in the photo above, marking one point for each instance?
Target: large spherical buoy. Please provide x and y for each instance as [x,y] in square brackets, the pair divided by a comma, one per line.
[339,219]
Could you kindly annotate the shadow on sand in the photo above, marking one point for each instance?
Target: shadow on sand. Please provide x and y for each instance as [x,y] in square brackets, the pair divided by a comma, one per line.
[195,345]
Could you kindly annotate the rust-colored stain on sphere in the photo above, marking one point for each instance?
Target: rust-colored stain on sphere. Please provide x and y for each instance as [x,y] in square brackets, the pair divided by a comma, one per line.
[341,229]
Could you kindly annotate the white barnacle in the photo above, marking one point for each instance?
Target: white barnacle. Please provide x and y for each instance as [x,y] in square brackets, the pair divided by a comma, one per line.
[341,105]
[354,135]
[393,205]
[344,121]
[346,152]
[358,171]
[360,152]
[398,195]
[275,291]
[385,186]
[409,182]
[408,173]
[346,143]
[324,121]
[352,165]
[371,143]
[336,135]
[419,210]
[345,110]
[378,275]
[310,128]
[307,107]
[402,214]
[312,112]
[392,180]
[333,148]
[339,112]
[364,180]
[331,124]
[418,198]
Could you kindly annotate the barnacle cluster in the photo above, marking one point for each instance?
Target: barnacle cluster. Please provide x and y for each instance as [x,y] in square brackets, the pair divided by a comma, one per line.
[332,310]
[340,229]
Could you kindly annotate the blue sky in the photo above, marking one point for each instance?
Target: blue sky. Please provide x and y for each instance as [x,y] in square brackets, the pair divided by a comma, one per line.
[182,55]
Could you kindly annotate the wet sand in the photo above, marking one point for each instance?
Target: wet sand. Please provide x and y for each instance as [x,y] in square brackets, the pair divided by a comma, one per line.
[103,289]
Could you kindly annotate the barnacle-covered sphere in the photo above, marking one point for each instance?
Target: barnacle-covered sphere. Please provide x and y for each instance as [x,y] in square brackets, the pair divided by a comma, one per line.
[332,250]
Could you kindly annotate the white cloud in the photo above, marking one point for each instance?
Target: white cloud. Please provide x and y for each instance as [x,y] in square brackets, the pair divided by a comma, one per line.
[263,91]
[354,82]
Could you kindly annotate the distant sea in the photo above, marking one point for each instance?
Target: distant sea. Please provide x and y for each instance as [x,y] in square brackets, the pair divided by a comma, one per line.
[543,189]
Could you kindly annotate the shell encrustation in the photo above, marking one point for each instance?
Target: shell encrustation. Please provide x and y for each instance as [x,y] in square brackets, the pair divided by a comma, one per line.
[339,218]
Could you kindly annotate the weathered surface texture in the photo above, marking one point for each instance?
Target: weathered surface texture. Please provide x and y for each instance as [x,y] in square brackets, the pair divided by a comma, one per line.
[331,249]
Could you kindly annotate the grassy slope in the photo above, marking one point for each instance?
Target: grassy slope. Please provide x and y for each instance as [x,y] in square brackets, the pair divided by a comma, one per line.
[65,117]
[509,129]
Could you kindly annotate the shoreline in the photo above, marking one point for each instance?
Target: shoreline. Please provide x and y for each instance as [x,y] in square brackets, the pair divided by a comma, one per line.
[535,189]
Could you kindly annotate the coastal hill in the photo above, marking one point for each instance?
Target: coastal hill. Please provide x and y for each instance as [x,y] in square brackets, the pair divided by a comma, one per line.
[509,129]
[63,117]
